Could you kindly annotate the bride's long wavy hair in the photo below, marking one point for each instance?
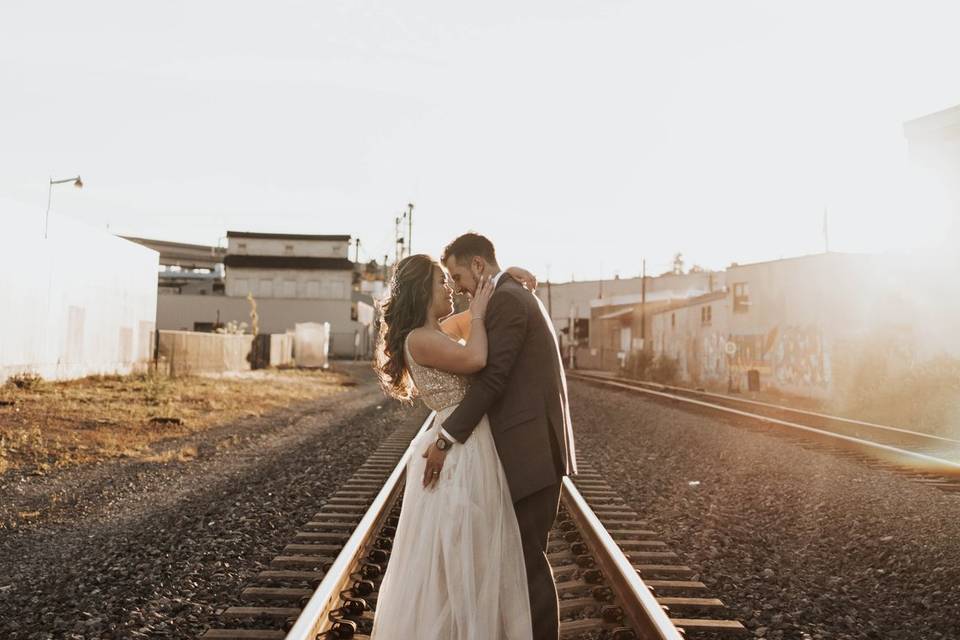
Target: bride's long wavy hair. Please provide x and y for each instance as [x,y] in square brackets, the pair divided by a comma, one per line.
[404,309]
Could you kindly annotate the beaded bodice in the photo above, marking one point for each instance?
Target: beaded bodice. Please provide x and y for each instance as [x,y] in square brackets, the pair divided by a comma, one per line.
[438,389]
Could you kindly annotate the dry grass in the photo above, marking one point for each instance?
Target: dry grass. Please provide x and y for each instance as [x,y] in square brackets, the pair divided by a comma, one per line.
[55,424]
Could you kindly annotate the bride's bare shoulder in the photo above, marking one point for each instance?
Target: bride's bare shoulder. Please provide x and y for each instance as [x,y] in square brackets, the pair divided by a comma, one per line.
[422,341]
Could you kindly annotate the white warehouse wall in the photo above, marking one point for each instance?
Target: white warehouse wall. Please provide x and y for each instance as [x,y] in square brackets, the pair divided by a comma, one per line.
[81,302]
[288,247]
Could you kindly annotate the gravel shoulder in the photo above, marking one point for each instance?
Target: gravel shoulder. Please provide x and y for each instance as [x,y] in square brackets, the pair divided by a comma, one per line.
[129,548]
[799,544]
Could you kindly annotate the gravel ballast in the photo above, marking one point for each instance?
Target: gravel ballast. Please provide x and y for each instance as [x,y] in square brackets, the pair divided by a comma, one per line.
[133,549]
[798,544]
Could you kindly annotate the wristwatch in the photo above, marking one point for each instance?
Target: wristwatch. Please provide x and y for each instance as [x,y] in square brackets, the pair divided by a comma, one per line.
[443,444]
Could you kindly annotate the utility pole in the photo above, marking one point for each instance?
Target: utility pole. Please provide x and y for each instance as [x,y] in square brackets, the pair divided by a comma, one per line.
[386,272]
[398,240]
[550,300]
[357,256]
[643,305]
[409,228]
[826,232]
[601,280]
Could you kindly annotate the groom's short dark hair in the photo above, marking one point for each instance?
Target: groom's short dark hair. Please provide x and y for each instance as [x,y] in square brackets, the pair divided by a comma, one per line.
[469,245]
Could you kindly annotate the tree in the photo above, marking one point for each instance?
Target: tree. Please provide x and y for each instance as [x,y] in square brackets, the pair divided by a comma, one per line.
[678,264]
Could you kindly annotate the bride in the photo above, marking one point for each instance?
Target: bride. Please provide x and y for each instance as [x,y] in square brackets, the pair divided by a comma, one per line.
[456,570]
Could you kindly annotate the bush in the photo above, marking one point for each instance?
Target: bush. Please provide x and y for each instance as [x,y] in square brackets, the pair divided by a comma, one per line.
[664,370]
[878,378]
[26,381]
[637,365]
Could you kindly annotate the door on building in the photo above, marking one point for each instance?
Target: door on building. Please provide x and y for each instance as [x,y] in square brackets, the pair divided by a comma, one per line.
[625,339]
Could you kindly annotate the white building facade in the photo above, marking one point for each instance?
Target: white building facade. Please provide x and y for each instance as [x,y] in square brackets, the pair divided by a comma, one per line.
[293,278]
[288,266]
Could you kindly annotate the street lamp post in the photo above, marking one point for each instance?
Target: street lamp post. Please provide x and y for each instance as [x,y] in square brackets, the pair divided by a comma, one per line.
[77,182]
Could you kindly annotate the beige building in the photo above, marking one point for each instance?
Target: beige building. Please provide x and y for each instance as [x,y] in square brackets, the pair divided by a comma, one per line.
[607,313]
[934,142]
[293,278]
[787,324]
[694,332]
[272,265]
[619,324]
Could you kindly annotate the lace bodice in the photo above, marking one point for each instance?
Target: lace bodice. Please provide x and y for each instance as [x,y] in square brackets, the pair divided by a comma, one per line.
[438,389]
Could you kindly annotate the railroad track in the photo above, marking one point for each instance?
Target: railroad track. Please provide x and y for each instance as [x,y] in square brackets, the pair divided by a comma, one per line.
[928,459]
[614,578]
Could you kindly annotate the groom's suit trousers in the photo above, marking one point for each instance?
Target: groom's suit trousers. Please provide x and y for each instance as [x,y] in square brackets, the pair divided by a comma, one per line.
[535,515]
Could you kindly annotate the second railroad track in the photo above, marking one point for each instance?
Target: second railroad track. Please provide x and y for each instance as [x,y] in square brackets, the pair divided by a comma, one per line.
[925,458]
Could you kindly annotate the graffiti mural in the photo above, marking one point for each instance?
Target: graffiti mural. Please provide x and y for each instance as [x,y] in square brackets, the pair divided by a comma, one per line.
[793,356]
[800,359]
[713,359]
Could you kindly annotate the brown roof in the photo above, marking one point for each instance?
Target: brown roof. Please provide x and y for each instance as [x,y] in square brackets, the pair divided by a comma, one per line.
[692,302]
[288,262]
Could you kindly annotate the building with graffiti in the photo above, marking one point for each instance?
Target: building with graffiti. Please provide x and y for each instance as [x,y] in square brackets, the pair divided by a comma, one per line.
[779,324]
[694,332]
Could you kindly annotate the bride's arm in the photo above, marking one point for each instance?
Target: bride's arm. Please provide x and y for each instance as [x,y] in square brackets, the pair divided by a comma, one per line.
[525,278]
[437,350]
[457,326]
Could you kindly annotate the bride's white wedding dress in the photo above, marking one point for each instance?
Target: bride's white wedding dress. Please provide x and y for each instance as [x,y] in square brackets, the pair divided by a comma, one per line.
[456,570]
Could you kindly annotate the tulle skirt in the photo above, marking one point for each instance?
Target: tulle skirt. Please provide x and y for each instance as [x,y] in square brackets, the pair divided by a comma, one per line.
[456,571]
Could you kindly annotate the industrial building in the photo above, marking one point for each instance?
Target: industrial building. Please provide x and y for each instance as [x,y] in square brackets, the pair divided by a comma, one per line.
[289,278]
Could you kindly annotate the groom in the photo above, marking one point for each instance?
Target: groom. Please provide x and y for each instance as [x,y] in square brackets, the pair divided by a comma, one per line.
[523,392]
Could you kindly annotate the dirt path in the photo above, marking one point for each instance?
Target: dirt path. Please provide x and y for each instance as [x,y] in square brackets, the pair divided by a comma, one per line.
[130,548]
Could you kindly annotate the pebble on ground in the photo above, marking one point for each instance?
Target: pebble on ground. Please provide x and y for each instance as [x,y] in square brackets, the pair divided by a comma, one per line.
[799,544]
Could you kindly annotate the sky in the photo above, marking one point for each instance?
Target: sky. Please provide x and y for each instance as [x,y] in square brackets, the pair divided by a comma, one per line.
[581,137]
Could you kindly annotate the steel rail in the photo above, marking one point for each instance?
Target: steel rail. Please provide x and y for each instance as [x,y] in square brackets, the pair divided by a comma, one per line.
[313,619]
[769,405]
[940,463]
[646,615]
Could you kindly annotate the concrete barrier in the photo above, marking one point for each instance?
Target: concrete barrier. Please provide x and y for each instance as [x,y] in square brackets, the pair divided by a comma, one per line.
[277,315]
[188,352]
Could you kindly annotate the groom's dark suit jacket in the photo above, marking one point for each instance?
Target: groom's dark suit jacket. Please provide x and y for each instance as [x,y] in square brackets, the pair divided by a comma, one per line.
[523,391]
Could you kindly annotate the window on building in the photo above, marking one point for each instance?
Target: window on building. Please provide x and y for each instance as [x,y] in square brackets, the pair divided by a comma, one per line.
[673,320]
[741,297]
[241,247]
[266,288]
[313,288]
[289,288]
[241,286]
[581,329]
[706,315]
[288,249]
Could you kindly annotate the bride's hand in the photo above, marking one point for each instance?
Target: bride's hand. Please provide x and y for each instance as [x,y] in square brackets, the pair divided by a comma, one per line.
[478,303]
[526,278]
